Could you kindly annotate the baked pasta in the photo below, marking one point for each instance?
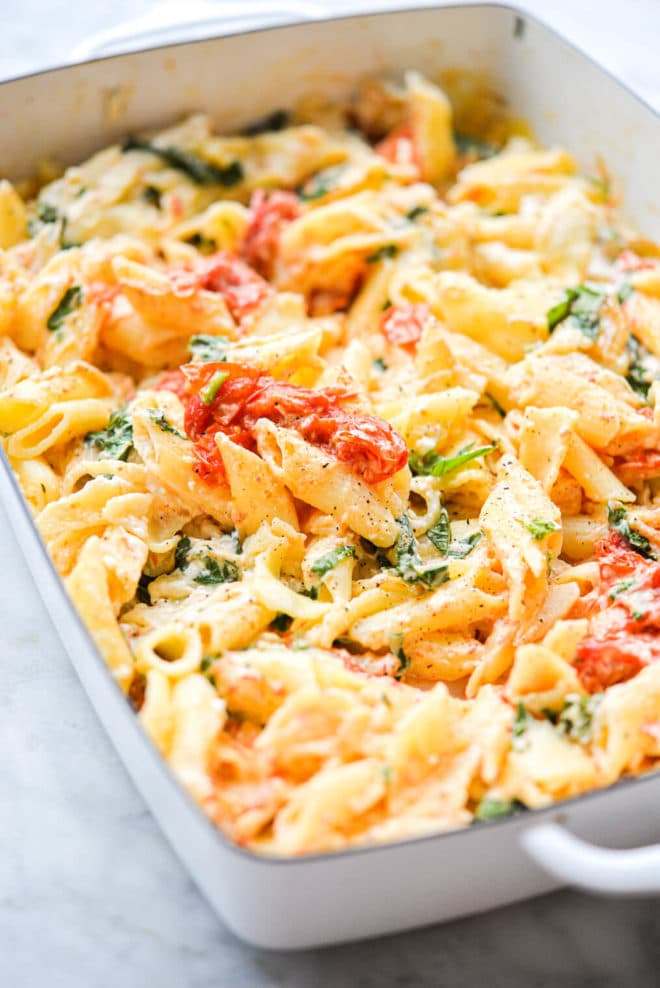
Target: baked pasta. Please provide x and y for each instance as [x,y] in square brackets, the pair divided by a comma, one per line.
[343,436]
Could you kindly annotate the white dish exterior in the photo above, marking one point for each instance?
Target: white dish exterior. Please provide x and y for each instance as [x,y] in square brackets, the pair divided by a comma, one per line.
[324,899]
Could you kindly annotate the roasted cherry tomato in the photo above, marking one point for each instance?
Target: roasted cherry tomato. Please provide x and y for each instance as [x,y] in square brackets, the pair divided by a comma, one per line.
[624,621]
[372,448]
[269,215]
[403,325]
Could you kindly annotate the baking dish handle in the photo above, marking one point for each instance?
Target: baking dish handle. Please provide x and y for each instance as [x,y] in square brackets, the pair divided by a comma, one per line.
[603,870]
[174,21]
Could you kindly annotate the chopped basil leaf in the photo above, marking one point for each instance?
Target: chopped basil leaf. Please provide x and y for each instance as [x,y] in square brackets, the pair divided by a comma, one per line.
[211,570]
[387,250]
[181,552]
[142,589]
[197,169]
[496,405]
[70,301]
[204,244]
[45,212]
[209,393]
[520,725]
[539,528]
[492,809]
[152,195]
[575,719]
[602,186]
[465,546]
[379,365]
[281,622]
[466,144]
[396,648]
[415,212]
[620,588]
[206,349]
[440,532]
[320,184]
[157,416]
[327,562]
[643,367]
[205,667]
[348,644]
[277,120]
[640,604]
[617,519]
[582,306]
[116,440]
[624,292]
[436,465]
[235,540]
[408,563]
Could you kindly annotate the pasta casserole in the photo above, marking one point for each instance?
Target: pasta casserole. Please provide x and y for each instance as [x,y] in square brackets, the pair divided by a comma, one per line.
[343,433]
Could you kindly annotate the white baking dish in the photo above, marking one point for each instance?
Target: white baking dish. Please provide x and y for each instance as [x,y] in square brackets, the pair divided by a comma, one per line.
[68,113]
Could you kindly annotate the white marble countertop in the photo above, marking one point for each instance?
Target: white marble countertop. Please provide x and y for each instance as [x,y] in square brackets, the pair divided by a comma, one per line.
[90,893]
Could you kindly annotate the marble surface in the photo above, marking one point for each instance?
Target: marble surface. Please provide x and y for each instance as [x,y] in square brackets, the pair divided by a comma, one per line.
[90,893]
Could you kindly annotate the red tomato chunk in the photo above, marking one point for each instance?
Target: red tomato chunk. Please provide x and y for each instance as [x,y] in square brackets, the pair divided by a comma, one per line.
[369,445]
[269,215]
[624,625]
[403,325]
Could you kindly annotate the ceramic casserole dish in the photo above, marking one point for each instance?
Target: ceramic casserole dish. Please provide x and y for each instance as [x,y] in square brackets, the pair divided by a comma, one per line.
[593,841]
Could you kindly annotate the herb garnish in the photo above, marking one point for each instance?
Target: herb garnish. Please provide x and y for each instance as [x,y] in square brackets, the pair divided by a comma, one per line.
[440,532]
[387,250]
[329,560]
[575,719]
[624,292]
[45,212]
[379,365]
[158,416]
[520,725]
[320,184]
[211,572]
[70,301]
[205,245]
[643,367]
[205,667]
[415,212]
[116,440]
[409,564]
[582,306]
[492,809]
[466,144]
[142,589]
[206,349]
[396,648]
[435,465]
[495,403]
[277,120]
[209,393]
[465,546]
[621,587]
[539,528]
[152,195]
[197,169]
[281,622]
[617,519]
